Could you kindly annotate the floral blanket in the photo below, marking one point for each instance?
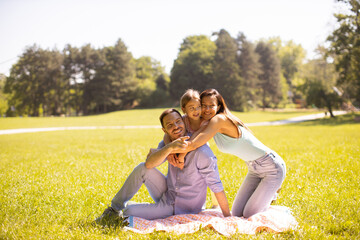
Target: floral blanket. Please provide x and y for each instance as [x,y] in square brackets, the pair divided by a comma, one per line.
[276,219]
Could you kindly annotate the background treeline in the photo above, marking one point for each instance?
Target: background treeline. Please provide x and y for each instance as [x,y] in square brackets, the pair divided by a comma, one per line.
[268,73]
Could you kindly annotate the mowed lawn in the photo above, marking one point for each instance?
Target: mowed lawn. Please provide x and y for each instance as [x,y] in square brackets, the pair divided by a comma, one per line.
[54,184]
[133,118]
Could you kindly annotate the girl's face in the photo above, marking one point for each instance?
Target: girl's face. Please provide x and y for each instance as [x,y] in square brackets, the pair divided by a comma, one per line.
[193,109]
[209,107]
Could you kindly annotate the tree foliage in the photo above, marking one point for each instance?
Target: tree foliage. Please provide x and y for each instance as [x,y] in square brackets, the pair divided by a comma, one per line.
[153,84]
[270,86]
[3,96]
[86,80]
[81,80]
[36,82]
[193,67]
[320,80]
[227,79]
[250,71]
[345,45]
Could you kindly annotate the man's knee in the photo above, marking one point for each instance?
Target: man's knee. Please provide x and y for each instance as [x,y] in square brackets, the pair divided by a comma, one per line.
[140,168]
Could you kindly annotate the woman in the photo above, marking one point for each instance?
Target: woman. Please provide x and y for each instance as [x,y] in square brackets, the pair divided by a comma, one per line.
[266,168]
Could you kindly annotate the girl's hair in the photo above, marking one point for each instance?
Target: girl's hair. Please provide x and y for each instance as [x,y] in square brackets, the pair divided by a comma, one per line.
[188,95]
[223,108]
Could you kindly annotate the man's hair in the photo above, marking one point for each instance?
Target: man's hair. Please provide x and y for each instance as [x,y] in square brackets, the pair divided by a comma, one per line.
[166,112]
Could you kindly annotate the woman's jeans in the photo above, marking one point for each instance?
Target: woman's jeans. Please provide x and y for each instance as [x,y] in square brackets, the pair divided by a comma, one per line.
[264,178]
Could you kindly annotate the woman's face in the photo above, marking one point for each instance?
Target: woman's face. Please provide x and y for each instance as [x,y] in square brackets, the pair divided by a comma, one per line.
[209,107]
[193,109]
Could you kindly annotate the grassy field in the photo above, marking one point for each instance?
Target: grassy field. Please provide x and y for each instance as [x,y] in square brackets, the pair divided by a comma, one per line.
[53,184]
[131,117]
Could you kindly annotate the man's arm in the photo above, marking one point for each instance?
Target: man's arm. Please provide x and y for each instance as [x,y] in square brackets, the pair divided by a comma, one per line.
[206,163]
[157,156]
[223,203]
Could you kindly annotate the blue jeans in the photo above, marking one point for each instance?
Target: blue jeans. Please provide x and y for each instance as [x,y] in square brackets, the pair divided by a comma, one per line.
[264,178]
[155,183]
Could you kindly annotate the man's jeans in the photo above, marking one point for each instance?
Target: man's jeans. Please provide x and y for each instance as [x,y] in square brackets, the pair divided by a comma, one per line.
[260,185]
[155,183]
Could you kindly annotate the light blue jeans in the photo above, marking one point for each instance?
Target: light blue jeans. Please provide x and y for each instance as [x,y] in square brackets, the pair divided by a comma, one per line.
[155,183]
[264,178]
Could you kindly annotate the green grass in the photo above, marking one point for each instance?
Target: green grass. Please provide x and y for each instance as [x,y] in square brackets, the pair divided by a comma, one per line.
[130,117]
[53,184]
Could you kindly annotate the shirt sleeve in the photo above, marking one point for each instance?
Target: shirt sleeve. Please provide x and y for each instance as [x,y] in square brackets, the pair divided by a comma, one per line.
[206,163]
[160,146]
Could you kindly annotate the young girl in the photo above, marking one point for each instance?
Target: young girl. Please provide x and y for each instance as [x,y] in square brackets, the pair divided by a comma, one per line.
[191,107]
[266,168]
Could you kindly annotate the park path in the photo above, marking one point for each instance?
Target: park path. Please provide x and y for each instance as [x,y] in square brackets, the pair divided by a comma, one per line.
[270,123]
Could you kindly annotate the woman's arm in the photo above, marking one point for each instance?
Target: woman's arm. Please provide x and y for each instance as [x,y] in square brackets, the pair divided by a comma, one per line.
[214,126]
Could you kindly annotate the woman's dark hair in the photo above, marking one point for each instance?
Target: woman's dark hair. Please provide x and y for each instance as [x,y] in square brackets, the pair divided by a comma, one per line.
[223,108]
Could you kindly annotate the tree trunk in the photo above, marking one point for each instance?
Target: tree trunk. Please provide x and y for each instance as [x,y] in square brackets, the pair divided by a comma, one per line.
[328,104]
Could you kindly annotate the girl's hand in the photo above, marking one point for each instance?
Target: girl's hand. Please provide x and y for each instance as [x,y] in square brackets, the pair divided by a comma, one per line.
[179,144]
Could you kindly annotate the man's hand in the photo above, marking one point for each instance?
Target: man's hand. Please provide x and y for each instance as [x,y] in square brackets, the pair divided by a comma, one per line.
[174,160]
[157,156]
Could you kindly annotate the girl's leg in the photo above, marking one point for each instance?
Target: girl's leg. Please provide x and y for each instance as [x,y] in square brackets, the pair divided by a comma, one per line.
[247,188]
[153,179]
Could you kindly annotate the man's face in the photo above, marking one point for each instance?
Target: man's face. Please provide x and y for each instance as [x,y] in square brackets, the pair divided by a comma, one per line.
[174,125]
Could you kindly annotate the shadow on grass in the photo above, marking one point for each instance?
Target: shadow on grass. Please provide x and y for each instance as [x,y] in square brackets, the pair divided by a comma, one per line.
[108,227]
[350,118]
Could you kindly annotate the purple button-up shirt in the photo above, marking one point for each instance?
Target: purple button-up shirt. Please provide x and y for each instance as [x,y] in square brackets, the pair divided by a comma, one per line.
[187,188]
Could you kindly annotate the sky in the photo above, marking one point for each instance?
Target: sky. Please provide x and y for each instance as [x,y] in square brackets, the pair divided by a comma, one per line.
[156,28]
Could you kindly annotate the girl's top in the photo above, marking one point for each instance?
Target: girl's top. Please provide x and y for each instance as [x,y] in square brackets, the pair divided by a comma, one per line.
[246,147]
[187,124]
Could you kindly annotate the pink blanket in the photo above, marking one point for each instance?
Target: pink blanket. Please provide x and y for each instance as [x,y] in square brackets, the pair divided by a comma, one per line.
[276,219]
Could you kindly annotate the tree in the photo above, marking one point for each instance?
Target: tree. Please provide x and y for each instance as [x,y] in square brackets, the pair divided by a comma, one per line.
[3,96]
[270,77]
[320,80]
[291,56]
[55,85]
[152,82]
[74,83]
[114,85]
[227,78]
[35,82]
[193,66]
[250,70]
[345,45]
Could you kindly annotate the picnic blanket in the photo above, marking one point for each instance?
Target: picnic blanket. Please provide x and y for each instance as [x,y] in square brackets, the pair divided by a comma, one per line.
[276,219]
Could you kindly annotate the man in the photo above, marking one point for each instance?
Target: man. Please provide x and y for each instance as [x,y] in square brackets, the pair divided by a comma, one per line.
[182,191]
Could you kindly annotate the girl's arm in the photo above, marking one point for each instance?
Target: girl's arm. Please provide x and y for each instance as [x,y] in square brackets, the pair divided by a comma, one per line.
[181,156]
[214,126]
